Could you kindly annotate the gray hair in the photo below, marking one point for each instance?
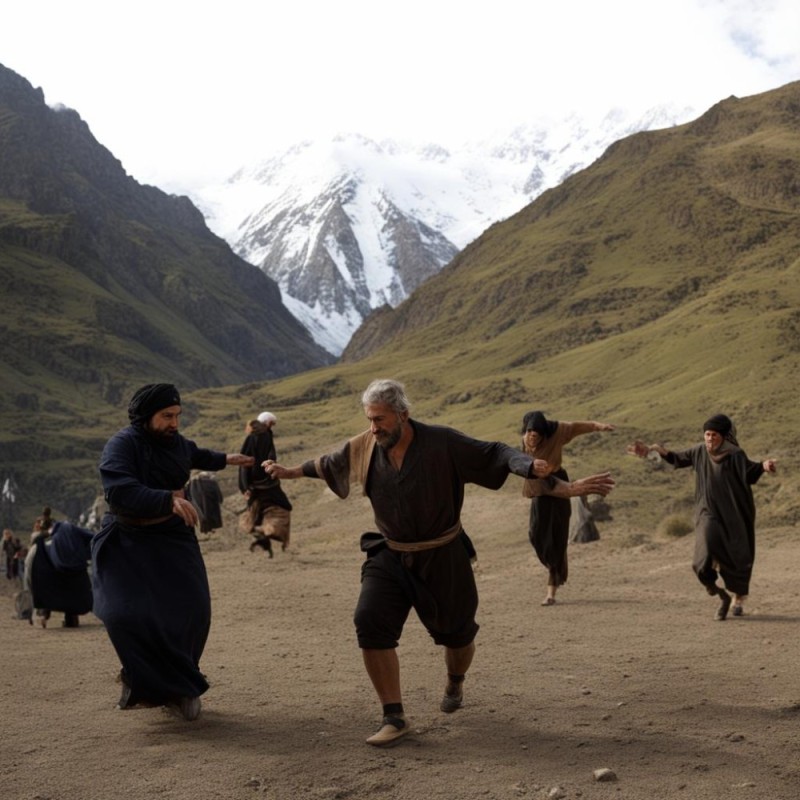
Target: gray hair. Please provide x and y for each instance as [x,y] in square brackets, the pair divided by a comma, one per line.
[386,392]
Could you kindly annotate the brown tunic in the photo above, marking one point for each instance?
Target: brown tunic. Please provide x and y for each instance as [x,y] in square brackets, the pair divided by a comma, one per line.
[418,503]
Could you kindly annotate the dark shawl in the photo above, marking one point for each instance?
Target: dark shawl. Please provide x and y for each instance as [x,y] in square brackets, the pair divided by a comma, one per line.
[59,577]
[205,493]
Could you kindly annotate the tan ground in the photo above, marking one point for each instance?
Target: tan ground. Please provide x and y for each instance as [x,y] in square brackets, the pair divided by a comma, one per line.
[627,672]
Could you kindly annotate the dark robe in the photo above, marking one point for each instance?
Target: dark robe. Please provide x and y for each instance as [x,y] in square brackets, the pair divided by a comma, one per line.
[264,493]
[725,515]
[419,503]
[150,583]
[59,578]
[548,532]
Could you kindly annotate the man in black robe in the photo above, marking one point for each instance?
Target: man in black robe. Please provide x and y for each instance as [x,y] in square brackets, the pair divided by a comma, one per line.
[268,512]
[149,579]
[420,558]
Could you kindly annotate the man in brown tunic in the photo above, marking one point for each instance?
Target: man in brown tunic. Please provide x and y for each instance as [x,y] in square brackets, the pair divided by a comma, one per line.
[420,557]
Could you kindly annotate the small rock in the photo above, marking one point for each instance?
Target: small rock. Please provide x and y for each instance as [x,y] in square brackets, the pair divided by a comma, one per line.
[736,737]
[556,793]
[604,775]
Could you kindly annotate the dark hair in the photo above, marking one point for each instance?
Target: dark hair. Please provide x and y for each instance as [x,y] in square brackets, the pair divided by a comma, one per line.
[536,421]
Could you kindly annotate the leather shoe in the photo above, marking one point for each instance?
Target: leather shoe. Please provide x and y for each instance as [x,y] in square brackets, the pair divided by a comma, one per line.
[394,727]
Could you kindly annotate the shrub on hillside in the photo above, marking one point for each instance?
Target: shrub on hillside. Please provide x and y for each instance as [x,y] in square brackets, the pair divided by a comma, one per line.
[675,526]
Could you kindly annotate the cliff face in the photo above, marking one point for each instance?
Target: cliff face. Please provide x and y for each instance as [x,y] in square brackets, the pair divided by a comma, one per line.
[146,275]
[108,285]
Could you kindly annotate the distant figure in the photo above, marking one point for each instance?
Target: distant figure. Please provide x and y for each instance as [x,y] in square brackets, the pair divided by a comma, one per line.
[548,525]
[11,548]
[149,578]
[414,475]
[41,530]
[268,513]
[57,573]
[725,512]
[42,524]
[203,490]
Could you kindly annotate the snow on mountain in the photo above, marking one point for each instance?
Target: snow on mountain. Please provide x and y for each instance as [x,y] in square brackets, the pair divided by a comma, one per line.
[350,224]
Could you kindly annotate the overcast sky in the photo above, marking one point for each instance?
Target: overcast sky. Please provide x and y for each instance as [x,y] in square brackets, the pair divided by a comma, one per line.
[185,92]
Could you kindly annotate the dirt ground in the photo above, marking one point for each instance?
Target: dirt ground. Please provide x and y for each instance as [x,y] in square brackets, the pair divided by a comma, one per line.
[627,672]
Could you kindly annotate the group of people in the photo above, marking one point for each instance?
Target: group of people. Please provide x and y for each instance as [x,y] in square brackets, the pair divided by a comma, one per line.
[150,583]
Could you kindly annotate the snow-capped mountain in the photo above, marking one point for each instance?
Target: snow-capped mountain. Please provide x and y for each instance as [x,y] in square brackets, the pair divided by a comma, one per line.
[348,225]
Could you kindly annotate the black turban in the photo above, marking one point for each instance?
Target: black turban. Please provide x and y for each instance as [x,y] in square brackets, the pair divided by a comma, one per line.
[536,421]
[150,399]
[719,423]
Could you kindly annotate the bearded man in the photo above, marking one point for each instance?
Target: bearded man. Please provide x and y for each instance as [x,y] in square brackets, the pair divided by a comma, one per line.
[149,579]
[420,556]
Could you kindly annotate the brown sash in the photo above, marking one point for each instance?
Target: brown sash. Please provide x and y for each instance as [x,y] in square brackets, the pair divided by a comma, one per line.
[430,544]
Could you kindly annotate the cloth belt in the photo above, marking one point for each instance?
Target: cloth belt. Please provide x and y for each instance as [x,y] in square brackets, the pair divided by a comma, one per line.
[430,544]
[142,522]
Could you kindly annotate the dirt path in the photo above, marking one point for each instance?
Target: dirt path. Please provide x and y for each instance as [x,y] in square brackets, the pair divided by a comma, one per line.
[627,672]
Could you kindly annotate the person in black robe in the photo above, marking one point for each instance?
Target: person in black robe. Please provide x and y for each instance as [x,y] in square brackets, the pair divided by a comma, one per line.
[419,557]
[149,579]
[57,573]
[268,513]
[725,512]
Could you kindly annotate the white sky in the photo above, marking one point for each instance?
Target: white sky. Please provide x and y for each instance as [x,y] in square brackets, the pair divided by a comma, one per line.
[185,92]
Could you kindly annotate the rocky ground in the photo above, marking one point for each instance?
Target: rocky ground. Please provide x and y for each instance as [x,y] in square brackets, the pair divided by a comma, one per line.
[628,672]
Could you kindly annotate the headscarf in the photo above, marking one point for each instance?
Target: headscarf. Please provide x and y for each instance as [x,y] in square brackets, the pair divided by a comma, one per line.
[536,421]
[150,399]
[265,417]
[723,425]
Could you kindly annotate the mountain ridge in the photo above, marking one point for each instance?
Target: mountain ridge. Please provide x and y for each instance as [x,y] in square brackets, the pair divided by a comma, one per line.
[349,225]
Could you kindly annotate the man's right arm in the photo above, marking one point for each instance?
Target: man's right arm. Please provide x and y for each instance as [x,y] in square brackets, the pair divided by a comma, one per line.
[279,472]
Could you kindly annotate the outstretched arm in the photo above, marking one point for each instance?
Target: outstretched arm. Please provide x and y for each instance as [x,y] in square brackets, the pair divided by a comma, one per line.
[278,472]
[601,484]
[239,460]
[639,448]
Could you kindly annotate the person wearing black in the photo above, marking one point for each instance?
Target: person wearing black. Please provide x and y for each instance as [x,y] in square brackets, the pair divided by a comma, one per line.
[268,512]
[149,579]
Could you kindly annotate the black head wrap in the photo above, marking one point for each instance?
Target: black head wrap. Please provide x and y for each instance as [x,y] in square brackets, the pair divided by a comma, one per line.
[723,425]
[719,423]
[536,421]
[150,399]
